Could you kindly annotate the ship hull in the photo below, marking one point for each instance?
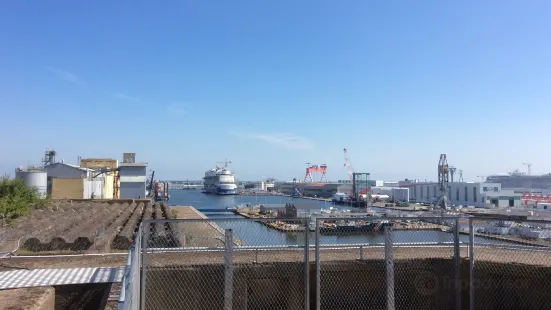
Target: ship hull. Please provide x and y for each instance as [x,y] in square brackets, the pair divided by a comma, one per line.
[215,190]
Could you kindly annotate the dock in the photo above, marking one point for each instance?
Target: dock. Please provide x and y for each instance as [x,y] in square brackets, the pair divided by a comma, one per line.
[272,224]
[199,233]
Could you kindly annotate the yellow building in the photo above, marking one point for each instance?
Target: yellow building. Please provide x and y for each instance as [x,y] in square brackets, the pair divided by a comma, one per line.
[112,183]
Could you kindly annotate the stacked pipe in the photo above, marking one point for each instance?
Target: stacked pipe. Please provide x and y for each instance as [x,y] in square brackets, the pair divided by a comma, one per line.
[124,239]
[104,243]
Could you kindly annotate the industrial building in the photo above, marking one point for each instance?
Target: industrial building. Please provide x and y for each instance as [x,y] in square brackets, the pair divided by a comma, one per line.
[95,178]
[394,193]
[132,178]
[479,195]
[324,190]
[67,181]
[372,183]
[109,170]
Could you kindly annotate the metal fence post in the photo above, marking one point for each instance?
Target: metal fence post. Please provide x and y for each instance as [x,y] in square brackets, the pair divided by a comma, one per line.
[228,270]
[307,264]
[318,270]
[457,261]
[389,266]
[471,265]
[145,239]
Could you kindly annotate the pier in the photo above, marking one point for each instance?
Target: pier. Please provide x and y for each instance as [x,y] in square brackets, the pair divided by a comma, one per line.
[207,233]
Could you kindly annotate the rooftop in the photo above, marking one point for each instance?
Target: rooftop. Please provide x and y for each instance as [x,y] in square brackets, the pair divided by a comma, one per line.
[133,164]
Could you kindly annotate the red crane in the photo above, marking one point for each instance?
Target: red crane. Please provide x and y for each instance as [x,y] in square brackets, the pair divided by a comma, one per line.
[348,165]
[316,169]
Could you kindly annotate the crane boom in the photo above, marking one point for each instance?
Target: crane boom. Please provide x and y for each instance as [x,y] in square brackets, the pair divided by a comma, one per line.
[347,164]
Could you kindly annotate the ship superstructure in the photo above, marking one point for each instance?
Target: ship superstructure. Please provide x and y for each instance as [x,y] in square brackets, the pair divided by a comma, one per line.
[518,179]
[220,181]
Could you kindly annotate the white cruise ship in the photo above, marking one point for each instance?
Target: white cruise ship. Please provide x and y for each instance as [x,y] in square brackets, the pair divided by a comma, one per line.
[220,181]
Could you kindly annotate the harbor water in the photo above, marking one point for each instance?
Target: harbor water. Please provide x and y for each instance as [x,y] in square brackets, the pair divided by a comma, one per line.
[255,233]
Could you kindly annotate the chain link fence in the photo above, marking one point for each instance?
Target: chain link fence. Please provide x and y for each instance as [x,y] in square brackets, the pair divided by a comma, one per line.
[342,263]
[204,264]
[129,297]
[386,263]
[510,264]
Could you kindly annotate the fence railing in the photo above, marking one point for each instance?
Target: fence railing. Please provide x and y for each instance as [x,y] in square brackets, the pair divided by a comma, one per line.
[339,263]
[129,297]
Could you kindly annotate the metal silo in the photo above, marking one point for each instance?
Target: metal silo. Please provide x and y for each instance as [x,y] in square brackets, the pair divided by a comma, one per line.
[34,178]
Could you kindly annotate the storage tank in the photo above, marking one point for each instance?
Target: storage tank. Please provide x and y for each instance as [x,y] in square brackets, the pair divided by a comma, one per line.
[36,179]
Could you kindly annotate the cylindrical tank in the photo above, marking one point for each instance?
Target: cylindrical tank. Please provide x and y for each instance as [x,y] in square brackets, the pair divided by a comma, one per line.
[36,179]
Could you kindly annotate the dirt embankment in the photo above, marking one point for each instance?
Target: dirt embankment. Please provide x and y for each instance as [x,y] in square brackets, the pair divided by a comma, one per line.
[78,226]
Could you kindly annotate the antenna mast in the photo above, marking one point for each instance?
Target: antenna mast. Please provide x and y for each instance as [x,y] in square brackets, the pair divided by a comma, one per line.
[529,166]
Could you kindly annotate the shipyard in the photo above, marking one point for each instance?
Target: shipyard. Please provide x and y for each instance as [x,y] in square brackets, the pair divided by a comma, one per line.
[103,207]
[250,155]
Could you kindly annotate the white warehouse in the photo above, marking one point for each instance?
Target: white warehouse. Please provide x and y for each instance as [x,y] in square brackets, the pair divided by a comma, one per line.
[395,193]
[479,195]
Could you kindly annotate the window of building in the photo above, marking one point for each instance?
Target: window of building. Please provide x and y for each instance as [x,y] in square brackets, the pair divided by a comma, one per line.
[496,189]
[485,189]
[457,194]
[474,194]
[466,194]
[434,191]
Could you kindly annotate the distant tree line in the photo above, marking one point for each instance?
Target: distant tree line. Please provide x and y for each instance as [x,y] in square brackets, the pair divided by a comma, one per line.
[17,199]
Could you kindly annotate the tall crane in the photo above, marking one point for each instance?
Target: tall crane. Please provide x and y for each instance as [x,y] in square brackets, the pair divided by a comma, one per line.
[443,175]
[348,166]
[316,169]
[529,166]
[452,172]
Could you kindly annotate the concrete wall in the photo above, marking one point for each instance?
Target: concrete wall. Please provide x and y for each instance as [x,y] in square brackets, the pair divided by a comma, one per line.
[66,188]
[59,170]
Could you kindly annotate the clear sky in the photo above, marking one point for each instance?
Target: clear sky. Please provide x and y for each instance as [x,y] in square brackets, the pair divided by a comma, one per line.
[272,85]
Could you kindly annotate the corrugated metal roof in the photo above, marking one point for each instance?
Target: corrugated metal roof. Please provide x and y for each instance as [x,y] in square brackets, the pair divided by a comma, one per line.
[46,277]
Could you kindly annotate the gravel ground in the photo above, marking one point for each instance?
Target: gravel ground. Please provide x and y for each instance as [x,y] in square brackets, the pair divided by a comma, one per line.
[25,298]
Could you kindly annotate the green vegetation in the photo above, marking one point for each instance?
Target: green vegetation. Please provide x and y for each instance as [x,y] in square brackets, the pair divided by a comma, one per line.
[17,199]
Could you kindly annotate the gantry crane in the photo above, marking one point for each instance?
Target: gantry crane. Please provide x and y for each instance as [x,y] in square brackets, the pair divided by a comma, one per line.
[452,172]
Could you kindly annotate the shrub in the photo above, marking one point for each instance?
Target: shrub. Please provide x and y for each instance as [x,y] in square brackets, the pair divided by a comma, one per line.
[17,199]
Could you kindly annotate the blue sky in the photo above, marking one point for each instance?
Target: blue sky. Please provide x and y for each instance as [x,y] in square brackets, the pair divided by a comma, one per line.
[272,85]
